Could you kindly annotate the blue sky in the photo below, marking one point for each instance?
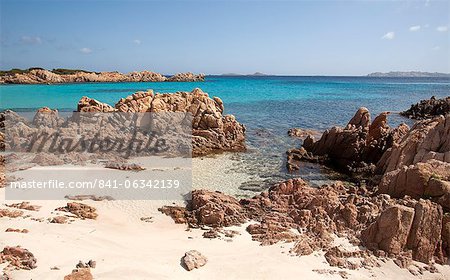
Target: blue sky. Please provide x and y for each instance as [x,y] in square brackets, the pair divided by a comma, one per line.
[214,37]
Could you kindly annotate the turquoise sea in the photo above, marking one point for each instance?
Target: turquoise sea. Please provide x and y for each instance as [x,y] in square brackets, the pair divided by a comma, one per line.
[267,105]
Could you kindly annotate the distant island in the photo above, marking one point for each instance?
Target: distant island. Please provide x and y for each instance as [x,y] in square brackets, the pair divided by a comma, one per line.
[236,74]
[407,74]
[58,76]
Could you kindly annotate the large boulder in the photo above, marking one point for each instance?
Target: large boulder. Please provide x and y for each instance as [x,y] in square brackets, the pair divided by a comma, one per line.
[426,228]
[87,104]
[401,228]
[419,164]
[390,231]
[429,179]
[427,139]
[211,130]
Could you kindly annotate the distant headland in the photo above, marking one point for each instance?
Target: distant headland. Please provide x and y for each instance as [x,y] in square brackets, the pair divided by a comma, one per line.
[412,74]
[59,76]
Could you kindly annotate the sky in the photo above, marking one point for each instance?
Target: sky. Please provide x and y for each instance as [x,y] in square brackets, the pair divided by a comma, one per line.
[215,37]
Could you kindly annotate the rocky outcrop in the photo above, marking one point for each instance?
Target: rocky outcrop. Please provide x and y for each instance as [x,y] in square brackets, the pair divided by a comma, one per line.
[193,259]
[400,228]
[18,258]
[186,77]
[212,131]
[427,139]
[42,76]
[390,231]
[353,149]
[429,108]
[419,164]
[293,211]
[87,104]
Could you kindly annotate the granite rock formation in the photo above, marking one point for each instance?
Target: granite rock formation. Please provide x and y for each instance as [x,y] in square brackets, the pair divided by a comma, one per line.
[293,211]
[212,131]
[419,164]
[429,108]
[353,149]
[42,76]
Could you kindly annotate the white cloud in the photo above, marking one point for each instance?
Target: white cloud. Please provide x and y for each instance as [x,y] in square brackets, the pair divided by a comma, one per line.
[137,41]
[85,50]
[389,36]
[436,48]
[414,28]
[442,28]
[31,40]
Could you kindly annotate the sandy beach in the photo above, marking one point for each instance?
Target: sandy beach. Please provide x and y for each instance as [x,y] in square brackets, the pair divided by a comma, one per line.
[122,244]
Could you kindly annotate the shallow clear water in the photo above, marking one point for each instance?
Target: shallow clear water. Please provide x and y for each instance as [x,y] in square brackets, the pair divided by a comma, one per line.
[268,106]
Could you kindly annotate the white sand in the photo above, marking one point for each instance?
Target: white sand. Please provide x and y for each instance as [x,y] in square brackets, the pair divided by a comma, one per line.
[125,247]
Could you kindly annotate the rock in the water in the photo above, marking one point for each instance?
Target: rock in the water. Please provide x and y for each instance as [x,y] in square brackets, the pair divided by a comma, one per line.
[87,104]
[186,77]
[429,179]
[429,108]
[211,130]
[357,147]
[193,259]
[42,76]
[427,139]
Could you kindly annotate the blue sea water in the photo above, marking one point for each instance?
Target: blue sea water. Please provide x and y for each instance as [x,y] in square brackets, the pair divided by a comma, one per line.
[267,105]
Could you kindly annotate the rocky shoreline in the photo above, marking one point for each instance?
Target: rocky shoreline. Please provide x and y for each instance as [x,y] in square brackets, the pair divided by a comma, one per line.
[42,76]
[400,210]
